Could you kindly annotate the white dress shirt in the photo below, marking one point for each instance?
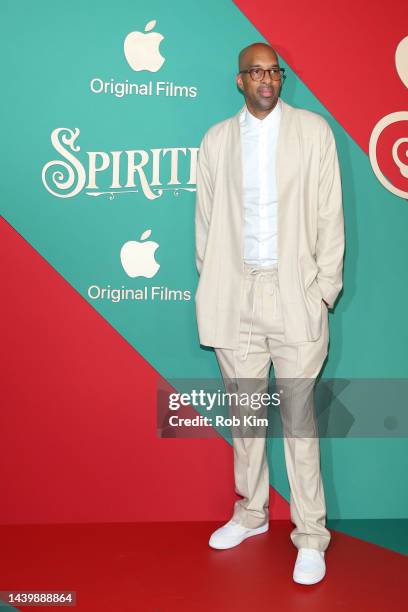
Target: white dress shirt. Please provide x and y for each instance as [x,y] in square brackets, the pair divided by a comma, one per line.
[258,144]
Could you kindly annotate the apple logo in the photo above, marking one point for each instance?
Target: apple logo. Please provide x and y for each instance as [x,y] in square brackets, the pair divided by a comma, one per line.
[138,257]
[142,50]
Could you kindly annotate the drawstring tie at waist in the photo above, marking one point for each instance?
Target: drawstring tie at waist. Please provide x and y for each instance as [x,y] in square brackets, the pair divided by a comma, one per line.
[260,273]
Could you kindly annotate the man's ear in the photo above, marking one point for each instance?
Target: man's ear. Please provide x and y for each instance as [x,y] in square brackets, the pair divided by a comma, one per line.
[239,82]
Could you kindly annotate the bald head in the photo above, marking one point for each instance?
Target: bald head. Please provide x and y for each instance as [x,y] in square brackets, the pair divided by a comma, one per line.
[248,54]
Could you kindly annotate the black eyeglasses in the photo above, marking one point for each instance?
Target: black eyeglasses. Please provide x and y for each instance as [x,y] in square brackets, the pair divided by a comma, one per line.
[257,74]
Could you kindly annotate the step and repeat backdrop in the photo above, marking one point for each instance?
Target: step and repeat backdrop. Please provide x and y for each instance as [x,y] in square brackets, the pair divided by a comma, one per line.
[104,105]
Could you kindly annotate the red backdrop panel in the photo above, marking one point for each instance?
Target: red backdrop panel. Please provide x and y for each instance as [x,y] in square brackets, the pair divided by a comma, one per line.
[78,417]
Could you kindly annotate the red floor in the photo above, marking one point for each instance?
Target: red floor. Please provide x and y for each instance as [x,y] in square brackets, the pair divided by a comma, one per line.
[160,567]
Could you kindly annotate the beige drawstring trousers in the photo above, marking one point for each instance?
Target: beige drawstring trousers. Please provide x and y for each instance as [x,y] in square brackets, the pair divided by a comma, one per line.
[296,366]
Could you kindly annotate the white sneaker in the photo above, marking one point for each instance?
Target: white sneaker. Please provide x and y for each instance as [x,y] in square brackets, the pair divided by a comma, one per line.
[232,533]
[310,566]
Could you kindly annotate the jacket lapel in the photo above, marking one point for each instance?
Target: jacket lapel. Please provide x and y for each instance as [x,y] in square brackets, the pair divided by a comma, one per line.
[235,178]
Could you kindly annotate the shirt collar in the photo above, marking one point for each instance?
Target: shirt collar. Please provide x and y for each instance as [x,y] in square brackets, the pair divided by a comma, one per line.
[246,117]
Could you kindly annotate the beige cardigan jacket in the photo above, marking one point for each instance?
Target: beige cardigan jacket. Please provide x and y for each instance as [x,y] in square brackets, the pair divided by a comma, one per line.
[310,227]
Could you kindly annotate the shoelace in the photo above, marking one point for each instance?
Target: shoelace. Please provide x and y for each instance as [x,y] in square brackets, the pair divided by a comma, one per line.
[310,553]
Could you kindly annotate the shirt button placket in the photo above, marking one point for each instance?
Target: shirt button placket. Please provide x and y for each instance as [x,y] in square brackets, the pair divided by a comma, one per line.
[262,205]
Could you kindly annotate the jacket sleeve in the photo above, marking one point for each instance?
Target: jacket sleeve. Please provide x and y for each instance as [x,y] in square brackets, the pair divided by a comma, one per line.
[204,197]
[330,227]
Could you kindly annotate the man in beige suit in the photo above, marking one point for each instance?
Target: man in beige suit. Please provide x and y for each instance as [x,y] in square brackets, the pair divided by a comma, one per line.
[269,251]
